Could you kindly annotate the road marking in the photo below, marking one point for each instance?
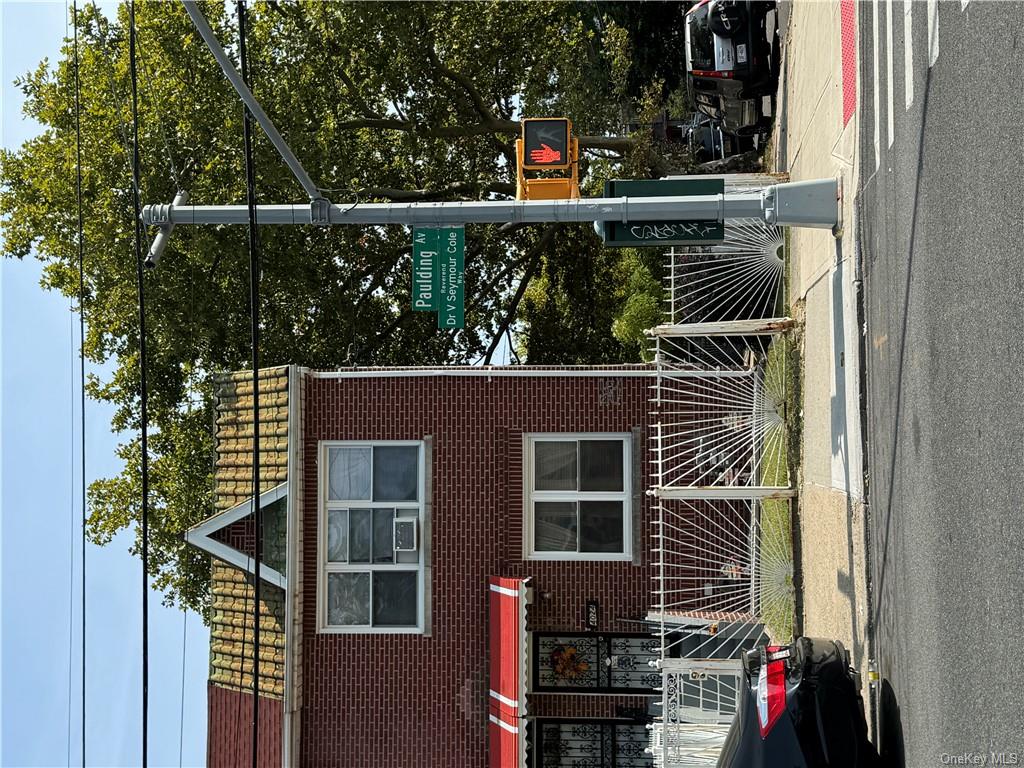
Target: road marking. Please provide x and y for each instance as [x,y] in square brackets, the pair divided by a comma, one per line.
[848,22]
[908,52]
[888,67]
[880,340]
[963,5]
[874,62]
[933,32]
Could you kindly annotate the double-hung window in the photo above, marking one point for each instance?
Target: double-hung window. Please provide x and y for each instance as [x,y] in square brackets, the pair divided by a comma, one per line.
[578,497]
[370,549]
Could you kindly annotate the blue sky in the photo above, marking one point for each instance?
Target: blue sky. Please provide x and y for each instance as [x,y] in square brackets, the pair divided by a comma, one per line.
[40,557]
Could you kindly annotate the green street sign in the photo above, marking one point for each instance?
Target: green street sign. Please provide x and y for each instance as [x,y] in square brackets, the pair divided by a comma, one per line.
[639,234]
[451,246]
[426,269]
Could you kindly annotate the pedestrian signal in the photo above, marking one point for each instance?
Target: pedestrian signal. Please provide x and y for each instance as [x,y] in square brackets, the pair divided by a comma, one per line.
[546,143]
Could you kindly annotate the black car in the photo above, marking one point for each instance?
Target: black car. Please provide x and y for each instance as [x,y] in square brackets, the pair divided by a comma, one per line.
[731,60]
[801,707]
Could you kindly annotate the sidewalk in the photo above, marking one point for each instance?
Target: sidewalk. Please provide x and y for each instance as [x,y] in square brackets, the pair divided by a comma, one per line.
[812,142]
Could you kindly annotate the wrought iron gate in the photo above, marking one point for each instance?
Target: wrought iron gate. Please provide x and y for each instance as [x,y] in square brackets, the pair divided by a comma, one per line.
[701,690]
[591,744]
[591,663]
[721,481]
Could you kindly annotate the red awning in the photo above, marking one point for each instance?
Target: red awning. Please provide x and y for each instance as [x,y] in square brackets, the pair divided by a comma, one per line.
[507,702]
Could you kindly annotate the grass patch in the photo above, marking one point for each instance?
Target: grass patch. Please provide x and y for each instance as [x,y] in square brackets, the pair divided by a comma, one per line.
[780,462]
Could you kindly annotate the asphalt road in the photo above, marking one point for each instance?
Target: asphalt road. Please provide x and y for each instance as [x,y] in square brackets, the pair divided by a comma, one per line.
[941,225]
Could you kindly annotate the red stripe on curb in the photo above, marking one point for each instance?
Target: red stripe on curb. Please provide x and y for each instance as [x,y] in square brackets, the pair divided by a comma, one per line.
[848,20]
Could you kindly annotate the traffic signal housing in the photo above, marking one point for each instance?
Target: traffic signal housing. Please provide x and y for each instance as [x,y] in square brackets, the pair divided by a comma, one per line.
[547,143]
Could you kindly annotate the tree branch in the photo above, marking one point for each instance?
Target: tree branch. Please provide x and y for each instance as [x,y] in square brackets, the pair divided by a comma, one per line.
[618,144]
[372,347]
[455,188]
[603,155]
[538,250]
[485,113]
[385,123]
[353,92]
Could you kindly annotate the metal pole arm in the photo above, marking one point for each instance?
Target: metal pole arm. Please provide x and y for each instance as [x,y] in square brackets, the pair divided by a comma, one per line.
[777,205]
[701,208]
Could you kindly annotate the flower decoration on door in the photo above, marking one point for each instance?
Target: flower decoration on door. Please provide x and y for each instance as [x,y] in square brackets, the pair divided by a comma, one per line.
[567,663]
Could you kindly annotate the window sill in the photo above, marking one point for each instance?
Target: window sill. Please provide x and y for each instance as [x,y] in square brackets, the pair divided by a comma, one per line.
[369,631]
[590,557]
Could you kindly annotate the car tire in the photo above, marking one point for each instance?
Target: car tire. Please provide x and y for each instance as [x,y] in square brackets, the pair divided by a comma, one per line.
[725,18]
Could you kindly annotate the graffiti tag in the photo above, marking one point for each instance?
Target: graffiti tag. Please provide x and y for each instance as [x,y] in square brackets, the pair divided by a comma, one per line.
[673,231]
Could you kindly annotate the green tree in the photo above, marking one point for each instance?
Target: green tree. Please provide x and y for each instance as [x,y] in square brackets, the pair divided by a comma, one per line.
[381,101]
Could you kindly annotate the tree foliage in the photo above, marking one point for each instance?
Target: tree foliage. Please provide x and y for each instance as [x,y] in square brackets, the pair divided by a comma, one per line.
[381,101]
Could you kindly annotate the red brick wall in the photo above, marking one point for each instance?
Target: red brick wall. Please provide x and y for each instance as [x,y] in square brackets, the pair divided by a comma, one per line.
[386,701]
[229,726]
[240,535]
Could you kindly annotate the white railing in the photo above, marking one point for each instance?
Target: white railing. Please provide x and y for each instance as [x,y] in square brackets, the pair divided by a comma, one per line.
[721,480]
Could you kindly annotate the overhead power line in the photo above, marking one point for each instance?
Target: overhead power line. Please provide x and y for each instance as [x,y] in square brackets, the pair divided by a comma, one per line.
[143,394]
[254,302]
[81,333]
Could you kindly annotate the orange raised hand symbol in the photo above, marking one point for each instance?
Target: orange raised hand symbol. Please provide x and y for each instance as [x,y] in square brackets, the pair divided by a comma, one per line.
[545,155]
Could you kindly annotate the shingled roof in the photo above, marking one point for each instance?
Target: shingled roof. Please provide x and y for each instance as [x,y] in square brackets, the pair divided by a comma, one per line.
[232,593]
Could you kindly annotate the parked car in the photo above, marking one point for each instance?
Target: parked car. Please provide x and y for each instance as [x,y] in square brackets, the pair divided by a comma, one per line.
[732,60]
[800,707]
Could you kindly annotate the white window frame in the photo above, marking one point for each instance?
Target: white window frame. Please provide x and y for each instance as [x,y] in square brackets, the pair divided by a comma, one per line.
[323,567]
[531,496]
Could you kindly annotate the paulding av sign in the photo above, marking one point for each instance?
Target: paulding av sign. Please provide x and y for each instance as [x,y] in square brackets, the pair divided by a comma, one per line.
[425,269]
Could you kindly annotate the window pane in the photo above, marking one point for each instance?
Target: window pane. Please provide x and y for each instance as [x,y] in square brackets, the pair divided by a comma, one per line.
[601,526]
[337,535]
[359,536]
[394,598]
[395,472]
[348,599]
[554,526]
[383,532]
[348,473]
[554,465]
[601,465]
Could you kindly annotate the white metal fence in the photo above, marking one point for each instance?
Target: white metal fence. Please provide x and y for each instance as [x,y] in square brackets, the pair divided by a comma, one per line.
[720,475]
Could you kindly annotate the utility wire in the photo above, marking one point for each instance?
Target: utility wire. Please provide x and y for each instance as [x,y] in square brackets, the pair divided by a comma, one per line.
[71,474]
[181,716]
[71,528]
[71,500]
[81,333]
[143,413]
[254,301]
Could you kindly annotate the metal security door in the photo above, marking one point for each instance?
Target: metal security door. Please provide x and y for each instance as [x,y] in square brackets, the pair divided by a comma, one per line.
[594,663]
[593,744]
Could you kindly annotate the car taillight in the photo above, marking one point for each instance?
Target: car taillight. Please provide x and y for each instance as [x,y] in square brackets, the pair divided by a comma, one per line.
[771,691]
[712,73]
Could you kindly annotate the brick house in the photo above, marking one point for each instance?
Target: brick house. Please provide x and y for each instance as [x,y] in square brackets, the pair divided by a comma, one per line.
[455,573]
